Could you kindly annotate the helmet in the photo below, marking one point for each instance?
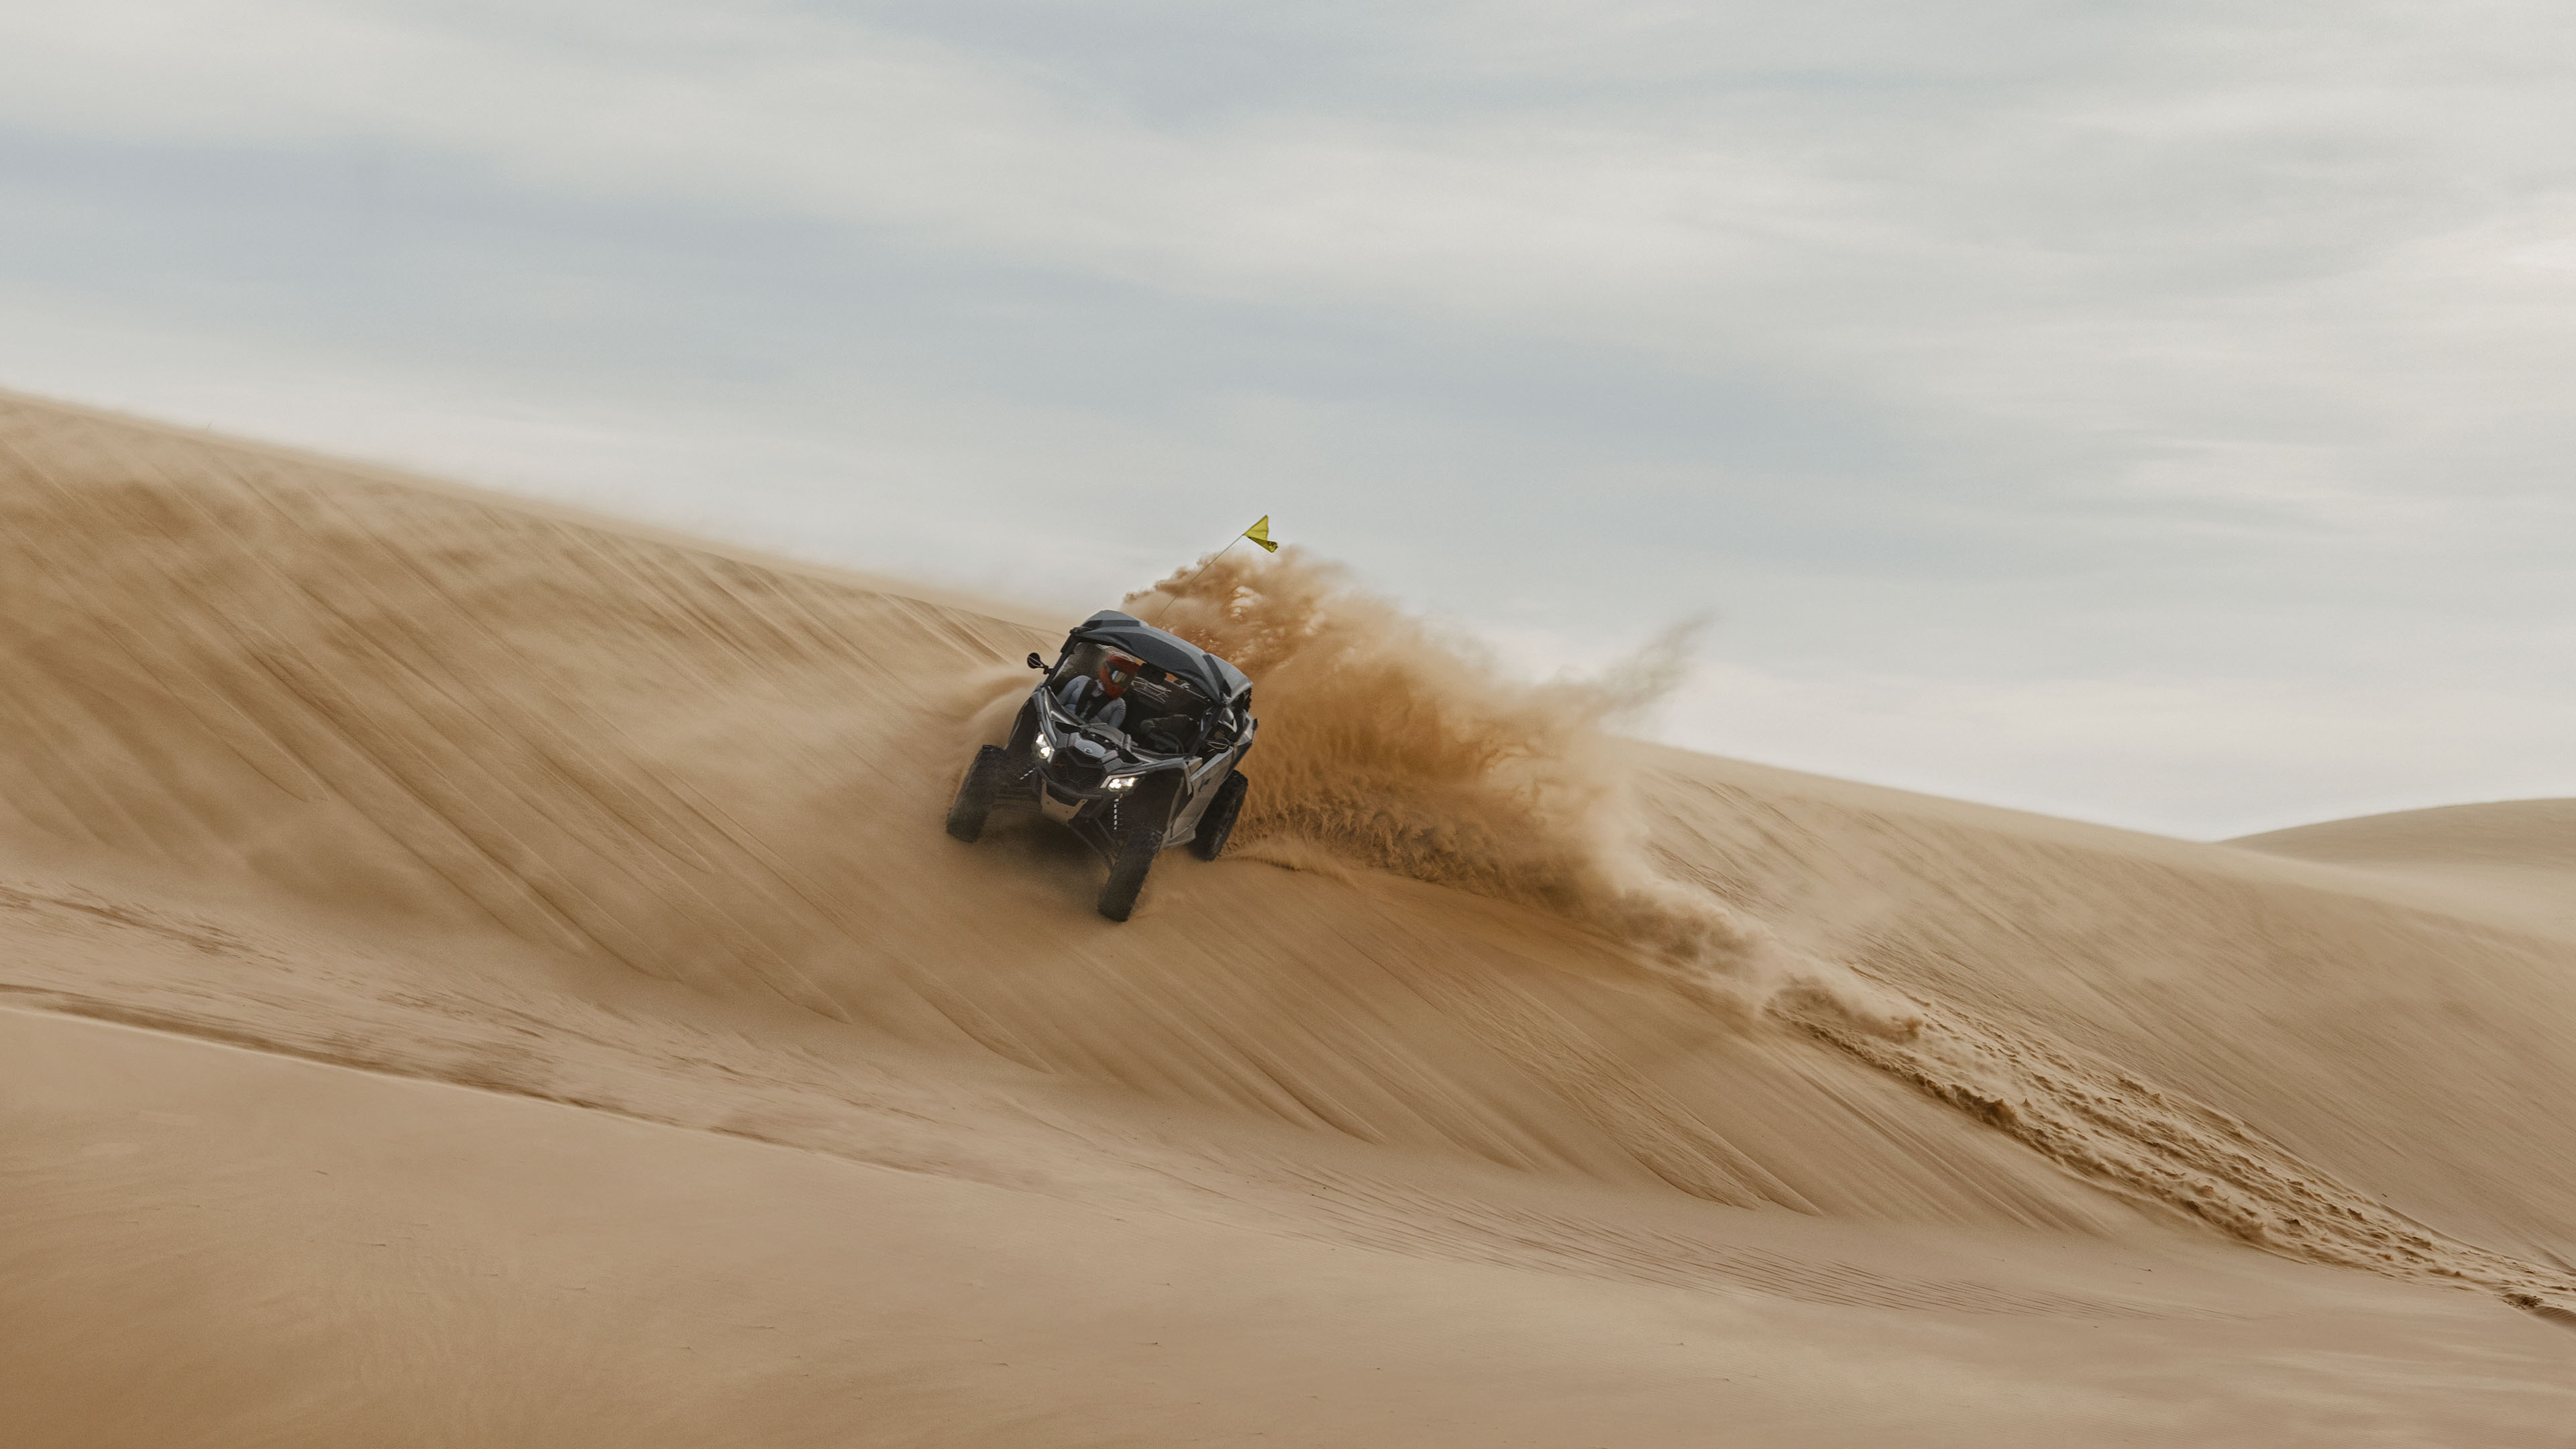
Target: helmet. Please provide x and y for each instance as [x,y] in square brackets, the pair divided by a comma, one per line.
[1115,671]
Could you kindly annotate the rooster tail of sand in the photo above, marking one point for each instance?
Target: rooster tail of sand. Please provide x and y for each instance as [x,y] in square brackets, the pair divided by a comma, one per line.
[1391,744]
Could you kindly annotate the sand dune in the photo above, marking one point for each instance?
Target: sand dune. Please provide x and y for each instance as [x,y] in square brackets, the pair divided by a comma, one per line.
[1434,1108]
[2516,857]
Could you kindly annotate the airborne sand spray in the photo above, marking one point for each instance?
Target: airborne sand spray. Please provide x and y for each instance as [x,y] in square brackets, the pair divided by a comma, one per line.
[1390,744]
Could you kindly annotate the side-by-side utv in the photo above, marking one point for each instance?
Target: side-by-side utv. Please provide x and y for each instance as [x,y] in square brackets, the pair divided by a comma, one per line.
[1131,740]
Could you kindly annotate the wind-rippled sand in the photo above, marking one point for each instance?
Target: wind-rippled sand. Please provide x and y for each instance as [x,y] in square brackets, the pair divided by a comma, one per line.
[472,974]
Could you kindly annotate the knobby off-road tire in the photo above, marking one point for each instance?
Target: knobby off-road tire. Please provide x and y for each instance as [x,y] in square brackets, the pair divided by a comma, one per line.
[1135,856]
[975,793]
[1217,825]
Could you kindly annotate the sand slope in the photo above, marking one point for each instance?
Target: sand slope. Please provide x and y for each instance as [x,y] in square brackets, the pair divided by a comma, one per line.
[384,777]
[403,1263]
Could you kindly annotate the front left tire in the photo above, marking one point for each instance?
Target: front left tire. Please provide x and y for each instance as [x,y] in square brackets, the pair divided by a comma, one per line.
[1136,852]
[1217,825]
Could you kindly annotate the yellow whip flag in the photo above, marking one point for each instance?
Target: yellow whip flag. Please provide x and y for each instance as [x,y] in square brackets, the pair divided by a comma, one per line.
[1259,533]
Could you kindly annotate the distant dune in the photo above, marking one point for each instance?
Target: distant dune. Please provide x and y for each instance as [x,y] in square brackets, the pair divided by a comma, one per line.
[484,974]
[2519,855]
[2525,834]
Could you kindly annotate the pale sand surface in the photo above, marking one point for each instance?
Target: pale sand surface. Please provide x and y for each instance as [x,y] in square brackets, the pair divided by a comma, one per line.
[487,977]
[229,1248]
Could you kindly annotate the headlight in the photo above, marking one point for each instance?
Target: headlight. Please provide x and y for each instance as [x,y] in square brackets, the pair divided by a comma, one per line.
[1125,782]
[1045,751]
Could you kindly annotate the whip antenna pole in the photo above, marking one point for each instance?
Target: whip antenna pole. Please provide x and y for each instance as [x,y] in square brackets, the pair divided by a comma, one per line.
[1170,598]
[1259,533]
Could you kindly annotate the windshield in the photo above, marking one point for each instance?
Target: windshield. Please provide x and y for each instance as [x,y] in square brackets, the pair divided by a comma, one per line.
[1145,703]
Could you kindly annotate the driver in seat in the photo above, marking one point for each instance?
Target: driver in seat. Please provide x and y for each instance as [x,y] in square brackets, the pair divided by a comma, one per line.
[1096,699]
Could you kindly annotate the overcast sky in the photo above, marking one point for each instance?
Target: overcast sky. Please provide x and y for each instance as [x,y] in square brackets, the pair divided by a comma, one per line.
[2162,414]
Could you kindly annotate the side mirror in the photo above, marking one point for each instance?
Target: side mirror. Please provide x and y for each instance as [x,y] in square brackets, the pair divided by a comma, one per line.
[1036,663]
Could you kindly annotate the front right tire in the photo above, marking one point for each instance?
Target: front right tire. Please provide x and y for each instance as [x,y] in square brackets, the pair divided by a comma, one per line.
[976,793]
